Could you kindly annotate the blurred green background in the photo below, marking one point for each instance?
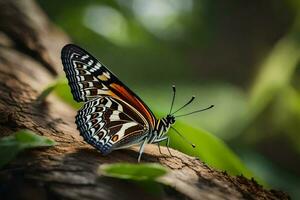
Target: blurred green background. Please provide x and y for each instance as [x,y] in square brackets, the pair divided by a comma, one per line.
[241,56]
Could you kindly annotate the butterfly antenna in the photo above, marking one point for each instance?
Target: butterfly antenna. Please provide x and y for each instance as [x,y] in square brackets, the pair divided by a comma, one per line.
[190,101]
[186,140]
[173,98]
[195,111]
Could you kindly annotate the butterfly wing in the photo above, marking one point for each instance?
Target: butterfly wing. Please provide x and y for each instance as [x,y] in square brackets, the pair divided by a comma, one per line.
[108,123]
[88,78]
[113,116]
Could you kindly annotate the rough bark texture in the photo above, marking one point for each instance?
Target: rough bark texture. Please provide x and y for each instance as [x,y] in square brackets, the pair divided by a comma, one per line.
[29,60]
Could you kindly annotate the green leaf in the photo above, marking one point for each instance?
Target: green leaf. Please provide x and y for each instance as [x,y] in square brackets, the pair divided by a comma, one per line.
[45,93]
[209,149]
[137,172]
[63,91]
[50,88]
[10,146]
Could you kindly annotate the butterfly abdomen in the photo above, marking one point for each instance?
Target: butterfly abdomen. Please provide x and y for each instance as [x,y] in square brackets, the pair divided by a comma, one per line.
[163,125]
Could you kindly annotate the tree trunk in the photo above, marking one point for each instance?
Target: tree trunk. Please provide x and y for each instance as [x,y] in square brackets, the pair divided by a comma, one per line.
[29,60]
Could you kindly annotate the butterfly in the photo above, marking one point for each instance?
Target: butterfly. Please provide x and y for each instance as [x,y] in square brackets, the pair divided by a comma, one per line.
[112,117]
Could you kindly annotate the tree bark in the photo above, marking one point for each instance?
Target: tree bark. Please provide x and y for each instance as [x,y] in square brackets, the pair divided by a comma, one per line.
[29,60]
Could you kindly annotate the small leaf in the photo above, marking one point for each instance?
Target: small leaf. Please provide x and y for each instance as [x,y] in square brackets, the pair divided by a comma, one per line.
[50,88]
[63,91]
[29,139]
[10,146]
[137,172]
[45,93]
[209,149]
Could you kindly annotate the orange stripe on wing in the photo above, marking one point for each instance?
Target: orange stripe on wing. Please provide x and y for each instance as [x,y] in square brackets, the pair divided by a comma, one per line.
[135,102]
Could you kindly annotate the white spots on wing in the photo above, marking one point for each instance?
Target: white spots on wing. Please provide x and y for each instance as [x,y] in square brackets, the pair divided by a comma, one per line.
[88,117]
[80,85]
[84,66]
[88,92]
[104,87]
[107,74]
[99,91]
[105,139]
[97,102]
[95,68]
[90,62]
[75,55]
[90,85]
[92,131]
[114,116]
[84,57]
[96,137]
[120,107]
[108,104]
[125,126]
[92,110]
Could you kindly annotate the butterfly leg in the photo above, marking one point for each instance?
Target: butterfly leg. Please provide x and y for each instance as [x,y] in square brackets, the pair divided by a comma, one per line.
[159,148]
[142,149]
[167,145]
[158,140]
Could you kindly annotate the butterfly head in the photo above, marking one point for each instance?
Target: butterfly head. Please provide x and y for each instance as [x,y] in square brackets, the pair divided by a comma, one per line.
[170,119]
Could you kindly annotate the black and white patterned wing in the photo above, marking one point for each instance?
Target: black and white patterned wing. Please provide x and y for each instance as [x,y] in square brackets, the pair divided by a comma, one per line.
[88,79]
[79,66]
[108,123]
[113,116]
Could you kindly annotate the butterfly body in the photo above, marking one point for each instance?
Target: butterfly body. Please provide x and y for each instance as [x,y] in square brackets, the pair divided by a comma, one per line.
[162,126]
[112,117]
